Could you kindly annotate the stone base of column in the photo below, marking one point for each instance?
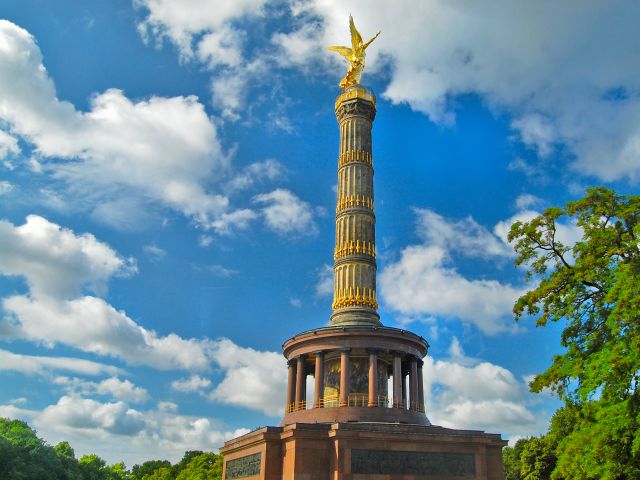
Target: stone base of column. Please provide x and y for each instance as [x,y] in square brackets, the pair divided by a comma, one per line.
[355,316]
[363,450]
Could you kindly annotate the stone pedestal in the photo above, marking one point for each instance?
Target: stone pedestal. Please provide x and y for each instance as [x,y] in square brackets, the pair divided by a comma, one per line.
[359,451]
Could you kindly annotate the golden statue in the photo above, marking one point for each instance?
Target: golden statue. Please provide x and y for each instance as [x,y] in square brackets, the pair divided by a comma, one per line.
[354,55]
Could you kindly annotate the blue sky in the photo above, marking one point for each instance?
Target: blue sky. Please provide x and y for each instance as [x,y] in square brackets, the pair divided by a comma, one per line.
[167,188]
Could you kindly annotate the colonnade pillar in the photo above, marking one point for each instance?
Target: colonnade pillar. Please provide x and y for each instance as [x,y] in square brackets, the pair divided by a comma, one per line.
[420,386]
[411,398]
[301,382]
[344,378]
[413,383]
[397,380]
[291,383]
[404,389]
[373,378]
[318,393]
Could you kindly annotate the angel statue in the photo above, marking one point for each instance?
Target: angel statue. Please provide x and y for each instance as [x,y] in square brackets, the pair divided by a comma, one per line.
[354,55]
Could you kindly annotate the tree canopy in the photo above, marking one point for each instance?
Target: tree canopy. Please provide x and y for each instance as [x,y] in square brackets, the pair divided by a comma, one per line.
[593,287]
[25,456]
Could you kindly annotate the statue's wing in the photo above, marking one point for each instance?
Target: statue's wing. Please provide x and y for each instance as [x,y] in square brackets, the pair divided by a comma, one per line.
[369,42]
[346,52]
[356,38]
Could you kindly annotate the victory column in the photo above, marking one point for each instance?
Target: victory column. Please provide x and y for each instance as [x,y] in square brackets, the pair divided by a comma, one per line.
[353,428]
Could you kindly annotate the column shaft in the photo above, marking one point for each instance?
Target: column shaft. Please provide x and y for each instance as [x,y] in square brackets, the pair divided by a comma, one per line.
[373,379]
[319,384]
[397,381]
[420,386]
[291,383]
[354,298]
[413,384]
[301,383]
[404,390]
[344,378]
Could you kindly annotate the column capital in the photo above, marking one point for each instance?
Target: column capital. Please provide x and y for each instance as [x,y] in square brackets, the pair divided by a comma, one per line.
[374,351]
[345,350]
[319,352]
[397,353]
[292,362]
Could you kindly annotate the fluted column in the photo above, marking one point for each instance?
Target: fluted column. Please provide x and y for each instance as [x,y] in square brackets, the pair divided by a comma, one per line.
[413,383]
[373,378]
[291,383]
[397,380]
[354,298]
[344,378]
[301,382]
[420,385]
[318,393]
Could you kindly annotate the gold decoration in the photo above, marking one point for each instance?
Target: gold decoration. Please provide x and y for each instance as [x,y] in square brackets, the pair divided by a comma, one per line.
[354,201]
[356,92]
[351,297]
[354,247]
[355,156]
[354,55]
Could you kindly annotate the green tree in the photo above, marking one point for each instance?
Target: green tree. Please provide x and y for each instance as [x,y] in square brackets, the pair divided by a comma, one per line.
[593,287]
[138,472]
[186,459]
[6,457]
[537,459]
[67,457]
[25,456]
[118,471]
[201,467]
[216,469]
[93,467]
[162,473]
[511,460]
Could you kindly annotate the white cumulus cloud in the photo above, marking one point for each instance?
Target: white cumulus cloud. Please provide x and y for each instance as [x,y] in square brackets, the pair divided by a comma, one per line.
[120,432]
[40,364]
[324,285]
[58,264]
[5,187]
[424,282]
[8,145]
[285,213]
[113,387]
[520,57]
[563,83]
[468,393]
[55,261]
[194,383]
[90,416]
[253,379]
[160,150]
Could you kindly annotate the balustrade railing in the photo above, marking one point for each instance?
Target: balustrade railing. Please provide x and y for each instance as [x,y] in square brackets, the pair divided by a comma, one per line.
[354,400]
[357,400]
[330,401]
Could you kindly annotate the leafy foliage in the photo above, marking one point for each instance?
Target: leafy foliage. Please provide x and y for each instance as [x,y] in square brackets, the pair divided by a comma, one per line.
[24,456]
[530,459]
[202,467]
[138,472]
[594,288]
[511,460]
